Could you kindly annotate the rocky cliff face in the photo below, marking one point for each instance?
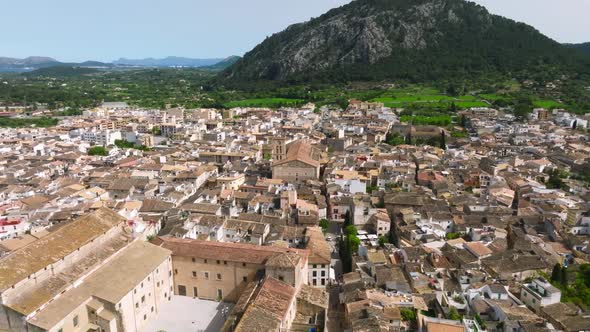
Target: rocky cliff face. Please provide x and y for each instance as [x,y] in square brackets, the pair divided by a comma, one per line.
[366,34]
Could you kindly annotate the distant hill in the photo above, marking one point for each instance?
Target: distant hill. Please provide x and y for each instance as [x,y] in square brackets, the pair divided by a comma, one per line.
[223,64]
[170,61]
[62,71]
[416,40]
[584,47]
[30,63]
[34,63]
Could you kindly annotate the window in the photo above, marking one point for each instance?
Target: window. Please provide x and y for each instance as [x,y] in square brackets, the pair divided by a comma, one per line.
[207,275]
[314,266]
[175,271]
[194,259]
[315,282]
[152,309]
[245,279]
[205,261]
[75,321]
[195,292]
[218,276]
[219,294]
[143,299]
[323,273]
[218,262]
[315,273]
[181,290]
[194,274]
[281,278]
[224,262]
[144,317]
[323,282]
[158,284]
[244,264]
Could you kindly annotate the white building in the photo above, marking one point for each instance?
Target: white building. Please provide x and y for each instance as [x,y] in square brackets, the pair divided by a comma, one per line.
[101,137]
[539,293]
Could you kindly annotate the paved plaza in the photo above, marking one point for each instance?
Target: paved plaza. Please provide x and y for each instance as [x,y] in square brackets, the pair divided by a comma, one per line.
[185,314]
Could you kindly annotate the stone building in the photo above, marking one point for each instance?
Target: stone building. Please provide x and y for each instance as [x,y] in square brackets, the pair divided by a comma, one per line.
[300,164]
[221,270]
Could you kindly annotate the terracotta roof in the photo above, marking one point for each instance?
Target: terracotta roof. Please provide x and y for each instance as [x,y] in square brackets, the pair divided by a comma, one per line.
[299,151]
[478,249]
[233,252]
[320,250]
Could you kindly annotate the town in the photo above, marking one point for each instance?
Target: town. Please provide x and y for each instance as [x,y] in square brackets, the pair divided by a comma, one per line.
[295,219]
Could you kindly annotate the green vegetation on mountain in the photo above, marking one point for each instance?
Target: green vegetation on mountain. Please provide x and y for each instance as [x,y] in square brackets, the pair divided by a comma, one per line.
[583,48]
[27,122]
[416,41]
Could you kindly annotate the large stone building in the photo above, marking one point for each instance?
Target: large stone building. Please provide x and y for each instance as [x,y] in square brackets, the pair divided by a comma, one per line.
[87,275]
[221,271]
[300,164]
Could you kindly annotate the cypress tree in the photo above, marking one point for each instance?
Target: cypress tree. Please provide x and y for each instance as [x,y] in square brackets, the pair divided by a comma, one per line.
[556,273]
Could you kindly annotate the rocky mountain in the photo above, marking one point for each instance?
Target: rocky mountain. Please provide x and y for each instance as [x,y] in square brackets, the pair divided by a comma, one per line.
[171,61]
[400,39]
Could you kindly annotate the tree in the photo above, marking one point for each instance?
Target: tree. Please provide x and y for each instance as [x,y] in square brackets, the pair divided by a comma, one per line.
[354,243]
[351,230]
[408,314]
[463,121]
[453,314]
[409,137]
[443,140]
[480,321]
[510,237]
[556,273]
[347,219]
[98,151]
[563,277]
[383,240]
[324,224]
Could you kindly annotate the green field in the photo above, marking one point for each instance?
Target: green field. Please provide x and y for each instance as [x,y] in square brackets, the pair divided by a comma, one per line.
[547,104]
[264,102]
[439,120]
[492,96]
[427,98]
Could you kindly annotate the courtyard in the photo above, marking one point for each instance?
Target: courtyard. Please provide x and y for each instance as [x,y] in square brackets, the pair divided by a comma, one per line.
[185,314]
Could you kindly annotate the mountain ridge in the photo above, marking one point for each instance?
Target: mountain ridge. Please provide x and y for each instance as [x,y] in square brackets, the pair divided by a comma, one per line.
[581,47]
[399,39]
[170,61]
[8,64]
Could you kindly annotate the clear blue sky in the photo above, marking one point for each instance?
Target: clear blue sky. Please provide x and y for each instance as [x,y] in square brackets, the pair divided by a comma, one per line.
[104,30]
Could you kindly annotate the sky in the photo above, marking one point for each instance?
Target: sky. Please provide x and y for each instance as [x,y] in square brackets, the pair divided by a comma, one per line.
[105,30]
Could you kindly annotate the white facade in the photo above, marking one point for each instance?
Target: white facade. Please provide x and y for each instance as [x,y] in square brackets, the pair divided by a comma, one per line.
[101,137]
[319,274]
[539,293]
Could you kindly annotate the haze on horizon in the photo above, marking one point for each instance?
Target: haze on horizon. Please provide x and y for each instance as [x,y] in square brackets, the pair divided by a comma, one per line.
[105,30]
